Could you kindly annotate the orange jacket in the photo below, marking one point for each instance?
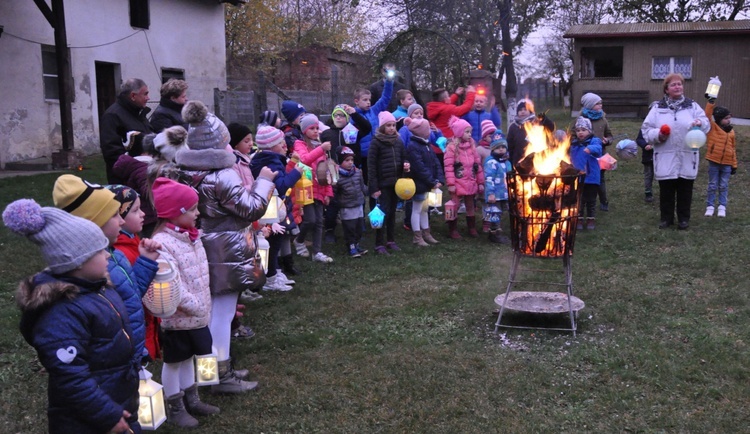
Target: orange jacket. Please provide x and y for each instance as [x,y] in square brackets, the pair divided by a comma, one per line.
[720,145]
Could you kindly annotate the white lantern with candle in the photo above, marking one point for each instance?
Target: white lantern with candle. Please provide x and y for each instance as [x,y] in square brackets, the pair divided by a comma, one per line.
[206,370]
[271,215]
[163,295]
[695,138]
[435,198]
[714,84]
[263,248]
[151,409]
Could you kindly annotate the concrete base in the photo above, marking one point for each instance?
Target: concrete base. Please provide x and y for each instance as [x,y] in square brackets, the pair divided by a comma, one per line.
[66,159]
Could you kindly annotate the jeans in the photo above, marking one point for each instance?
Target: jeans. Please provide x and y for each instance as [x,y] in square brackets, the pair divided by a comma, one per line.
[312,221]
[718,175]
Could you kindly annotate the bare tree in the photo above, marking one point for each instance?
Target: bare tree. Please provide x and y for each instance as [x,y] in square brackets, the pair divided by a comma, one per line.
[667,11]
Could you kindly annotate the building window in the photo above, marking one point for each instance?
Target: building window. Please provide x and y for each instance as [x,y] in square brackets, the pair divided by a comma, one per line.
[601,62]
[168,73]
[663,66]
[139,15]
[49,73]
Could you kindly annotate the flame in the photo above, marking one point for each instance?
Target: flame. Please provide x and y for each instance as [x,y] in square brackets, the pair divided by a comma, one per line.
[548,151]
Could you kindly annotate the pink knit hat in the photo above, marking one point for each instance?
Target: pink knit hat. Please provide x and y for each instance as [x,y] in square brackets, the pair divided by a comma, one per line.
[385,117]
[418,127]
[267,137]
[458,126]
[172,199]
[488,127]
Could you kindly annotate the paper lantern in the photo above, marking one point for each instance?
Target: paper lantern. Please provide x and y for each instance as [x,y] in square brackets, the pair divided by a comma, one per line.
[206,370]
[303,191]
[695,138]
[492,213]
[377,217]
[263,248]
[163,295]
[435,198]
[271,215]
[405,188]
[714,84]
[151,409]
[451,210]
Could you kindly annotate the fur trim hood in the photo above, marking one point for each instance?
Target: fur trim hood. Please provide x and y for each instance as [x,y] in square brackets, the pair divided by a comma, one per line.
[205,159]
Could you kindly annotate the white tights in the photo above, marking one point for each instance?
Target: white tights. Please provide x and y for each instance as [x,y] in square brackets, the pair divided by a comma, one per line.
[419,218]
[223,308]
[177,376]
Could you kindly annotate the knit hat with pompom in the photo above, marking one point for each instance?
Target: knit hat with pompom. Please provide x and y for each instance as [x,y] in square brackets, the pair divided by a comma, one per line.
[418,127]
[66,241]
[206,130]
[171,141]
[458,126]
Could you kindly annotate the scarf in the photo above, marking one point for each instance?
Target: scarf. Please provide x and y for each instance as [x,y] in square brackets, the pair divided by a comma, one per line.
[674,104]
[386,138]
[347,173]
[193,232]
[592,114]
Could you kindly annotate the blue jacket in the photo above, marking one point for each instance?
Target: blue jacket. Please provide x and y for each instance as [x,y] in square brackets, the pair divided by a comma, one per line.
[400,113]
[494,178]
[475,118]
[589,163]
[131,284]
[372,116]
[81,334]
[425,168]
[276,162]
[405,135]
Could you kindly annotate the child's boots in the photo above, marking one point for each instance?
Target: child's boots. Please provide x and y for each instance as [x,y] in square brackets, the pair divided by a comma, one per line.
[418,240]
[229,382]
[591,223]
[427,236]
[471,222]
[195,406]
[453,230]
[177,414]
[497,236]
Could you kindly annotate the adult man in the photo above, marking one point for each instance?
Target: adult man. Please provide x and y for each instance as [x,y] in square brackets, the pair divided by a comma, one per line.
[480,113]
[128,113]
[376,88]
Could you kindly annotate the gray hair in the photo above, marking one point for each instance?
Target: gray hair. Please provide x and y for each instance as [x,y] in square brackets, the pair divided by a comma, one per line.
[131,85]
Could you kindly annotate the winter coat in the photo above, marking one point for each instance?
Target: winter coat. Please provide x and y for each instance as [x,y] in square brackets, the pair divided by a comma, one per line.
[406,135]
[291,134]
[400,113]
[131,283]
[588,163]
[242,167]
[336,137]
[134,174]
[128,245]
[287,175]
[600,127]
[189,258]
[81,334]
[226,211]
[517,136]
[425,168]
[440,112]
[372,116]
[385,163]
[167,114]
[117,120]
[350,191]
[475,118]
[672,159]
[463,169]
[647,157]
[494,178]
[720,144]
[312,157]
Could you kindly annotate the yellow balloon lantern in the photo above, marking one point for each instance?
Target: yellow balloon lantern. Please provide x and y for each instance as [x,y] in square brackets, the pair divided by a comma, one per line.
[405,188]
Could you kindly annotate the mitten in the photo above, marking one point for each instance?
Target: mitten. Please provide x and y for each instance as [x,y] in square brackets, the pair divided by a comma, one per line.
[665,130]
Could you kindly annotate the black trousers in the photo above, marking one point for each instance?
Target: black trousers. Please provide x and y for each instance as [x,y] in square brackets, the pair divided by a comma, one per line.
[352,231]
[588,201]
[675,193]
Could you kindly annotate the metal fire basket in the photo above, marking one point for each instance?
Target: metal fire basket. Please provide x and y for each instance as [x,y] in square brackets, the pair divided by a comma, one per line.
[543,219]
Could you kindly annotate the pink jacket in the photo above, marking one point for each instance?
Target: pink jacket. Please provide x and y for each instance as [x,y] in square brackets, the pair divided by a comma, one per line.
[312,158]
[463,168]
[242,167]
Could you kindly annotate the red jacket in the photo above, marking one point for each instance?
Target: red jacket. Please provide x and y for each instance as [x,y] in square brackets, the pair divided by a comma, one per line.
[439,112]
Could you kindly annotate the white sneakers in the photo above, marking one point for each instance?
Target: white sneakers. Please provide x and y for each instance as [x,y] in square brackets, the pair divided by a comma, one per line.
[301,249]
[285,280]
[321,257]
[273,283]
[248,296]
[710,211]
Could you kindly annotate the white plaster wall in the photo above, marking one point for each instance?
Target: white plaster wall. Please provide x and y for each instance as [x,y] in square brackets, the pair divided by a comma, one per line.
[184,34]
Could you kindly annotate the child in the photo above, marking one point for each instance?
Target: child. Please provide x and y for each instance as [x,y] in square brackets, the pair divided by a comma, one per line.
[227,209]
[76,324]
[647,159]
[242,147]
[362,105]
[585,148]
[592,110]
[426,172]
[487,134]
[184,334]
[386,164]
[405,99]
[721,156]
[293,112]
[464,174]
[496,165]
[480,114]
[517,129]
[272,154]
[350,193]
[270,118]
[311,152]
[94,202]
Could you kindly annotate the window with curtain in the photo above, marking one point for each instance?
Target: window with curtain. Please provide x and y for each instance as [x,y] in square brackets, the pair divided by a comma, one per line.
[661,66]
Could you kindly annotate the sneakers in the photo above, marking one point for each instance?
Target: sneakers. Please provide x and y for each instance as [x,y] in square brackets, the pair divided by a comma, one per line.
[285,280]
[710,211]
[248,296]
[353,252]
[243,332]
[273,283]
[435,211]
[381,250]
[301,249]
[321,257]
[391,245]
[722,211]
[361,250]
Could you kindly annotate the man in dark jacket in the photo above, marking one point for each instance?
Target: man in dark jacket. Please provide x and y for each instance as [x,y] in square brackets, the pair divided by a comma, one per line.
[128,113]
[169,111]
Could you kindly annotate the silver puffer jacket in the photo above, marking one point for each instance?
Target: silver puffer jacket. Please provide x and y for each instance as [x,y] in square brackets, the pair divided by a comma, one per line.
[226,211]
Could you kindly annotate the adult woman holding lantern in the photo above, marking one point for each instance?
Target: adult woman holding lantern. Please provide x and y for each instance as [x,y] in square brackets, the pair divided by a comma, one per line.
[675,163]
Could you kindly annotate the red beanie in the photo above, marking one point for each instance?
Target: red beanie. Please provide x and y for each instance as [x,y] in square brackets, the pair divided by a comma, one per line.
[172,199]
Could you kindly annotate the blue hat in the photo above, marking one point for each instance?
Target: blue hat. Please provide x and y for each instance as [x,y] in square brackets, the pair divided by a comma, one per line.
[291,110]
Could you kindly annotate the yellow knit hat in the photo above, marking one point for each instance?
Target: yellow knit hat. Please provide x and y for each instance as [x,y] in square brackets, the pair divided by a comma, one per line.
[85,199]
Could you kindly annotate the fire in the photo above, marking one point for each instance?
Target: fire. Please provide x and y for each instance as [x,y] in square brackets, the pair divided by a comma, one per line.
[544,196]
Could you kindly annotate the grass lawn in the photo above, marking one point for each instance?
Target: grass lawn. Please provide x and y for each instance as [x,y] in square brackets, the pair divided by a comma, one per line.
[405,343]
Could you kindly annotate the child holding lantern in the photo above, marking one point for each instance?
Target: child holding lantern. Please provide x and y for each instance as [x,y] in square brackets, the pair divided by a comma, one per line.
[464,174]
[585,148]
[76,323]
[184,334]
[721,156]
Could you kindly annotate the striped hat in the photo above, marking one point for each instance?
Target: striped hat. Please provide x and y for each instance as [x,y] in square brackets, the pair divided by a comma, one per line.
[267,137]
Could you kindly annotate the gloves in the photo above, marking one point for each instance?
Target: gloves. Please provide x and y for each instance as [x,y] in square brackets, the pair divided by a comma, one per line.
[277,228]
[710,99]
[734,170]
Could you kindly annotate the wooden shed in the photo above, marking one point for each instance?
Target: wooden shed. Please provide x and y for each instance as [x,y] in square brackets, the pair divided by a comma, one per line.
[626,63]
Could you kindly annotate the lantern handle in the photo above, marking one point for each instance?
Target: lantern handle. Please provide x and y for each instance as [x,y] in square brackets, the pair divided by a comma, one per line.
[161,255]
